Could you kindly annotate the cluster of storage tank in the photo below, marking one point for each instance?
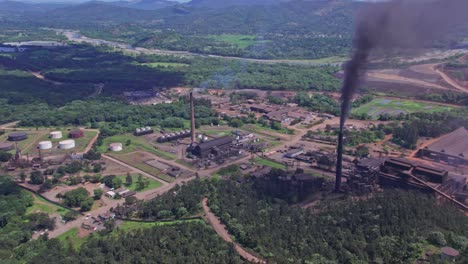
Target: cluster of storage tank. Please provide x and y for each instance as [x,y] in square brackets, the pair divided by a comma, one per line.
[65,144]
[174,136]
[143,131]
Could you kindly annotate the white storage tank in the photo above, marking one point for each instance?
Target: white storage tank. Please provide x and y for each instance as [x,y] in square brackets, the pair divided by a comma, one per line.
[43,145]
[67,144]
[56,135]
[116,147]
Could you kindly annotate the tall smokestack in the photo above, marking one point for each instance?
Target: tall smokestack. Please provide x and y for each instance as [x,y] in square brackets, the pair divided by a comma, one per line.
[395,25]
[192,120]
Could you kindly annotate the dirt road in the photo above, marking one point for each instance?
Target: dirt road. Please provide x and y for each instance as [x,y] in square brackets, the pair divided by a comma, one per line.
[91,143]
[451,81]
[220,229]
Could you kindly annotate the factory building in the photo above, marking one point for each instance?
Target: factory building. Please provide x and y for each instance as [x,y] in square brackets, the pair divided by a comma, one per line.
[5,146]
[17,136]
[452,148]
[213,147]
[174,136]
[143,131]
[294,153]
[76,134]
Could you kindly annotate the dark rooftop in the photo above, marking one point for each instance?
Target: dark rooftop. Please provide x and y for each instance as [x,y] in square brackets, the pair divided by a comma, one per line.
[436,171]
[455,143]
[216,142]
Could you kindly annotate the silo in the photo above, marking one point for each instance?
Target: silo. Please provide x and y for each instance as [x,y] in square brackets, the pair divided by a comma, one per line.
[67,144]
[43,145]
[17,136]
[5,146]
[76,134]
[55,134]
[116,147]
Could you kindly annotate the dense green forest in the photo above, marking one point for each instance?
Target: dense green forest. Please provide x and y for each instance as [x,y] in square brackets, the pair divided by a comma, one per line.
[180,243]
[391,227]
[428,125]
[16,226]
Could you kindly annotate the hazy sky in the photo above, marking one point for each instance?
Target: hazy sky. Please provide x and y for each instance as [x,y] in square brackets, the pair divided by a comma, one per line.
[77,1]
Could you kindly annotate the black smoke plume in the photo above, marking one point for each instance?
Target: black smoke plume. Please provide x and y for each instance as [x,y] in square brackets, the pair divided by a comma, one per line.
[396,26]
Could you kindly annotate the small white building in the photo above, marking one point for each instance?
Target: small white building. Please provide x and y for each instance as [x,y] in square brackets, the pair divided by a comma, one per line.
[110,194]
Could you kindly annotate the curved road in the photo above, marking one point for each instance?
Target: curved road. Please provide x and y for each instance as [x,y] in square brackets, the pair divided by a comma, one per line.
[220,229]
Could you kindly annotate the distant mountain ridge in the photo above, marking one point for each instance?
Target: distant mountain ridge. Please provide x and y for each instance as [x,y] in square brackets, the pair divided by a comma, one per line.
[228,3]
[145,4]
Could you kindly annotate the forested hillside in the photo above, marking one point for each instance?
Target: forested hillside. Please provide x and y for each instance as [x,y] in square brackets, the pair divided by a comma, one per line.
[391,227]
[292,29]
[181,243]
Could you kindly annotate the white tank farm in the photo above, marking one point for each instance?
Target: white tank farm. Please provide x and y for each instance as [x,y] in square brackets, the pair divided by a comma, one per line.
[56,134]
[44,145]
[116,147]
[67,144]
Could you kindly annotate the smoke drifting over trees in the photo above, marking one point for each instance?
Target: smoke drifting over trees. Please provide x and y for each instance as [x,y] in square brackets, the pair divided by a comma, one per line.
[403,25]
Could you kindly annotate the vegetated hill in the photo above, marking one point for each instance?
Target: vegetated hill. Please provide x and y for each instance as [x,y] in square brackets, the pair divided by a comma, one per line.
[228,3]
[21,7]
[145,4]
[300,17]
[93,13]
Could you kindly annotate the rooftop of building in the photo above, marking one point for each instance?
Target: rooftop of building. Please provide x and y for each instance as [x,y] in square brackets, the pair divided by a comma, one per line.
[455,143]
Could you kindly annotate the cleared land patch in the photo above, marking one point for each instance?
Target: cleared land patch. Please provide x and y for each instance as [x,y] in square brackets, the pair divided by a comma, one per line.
[138,160]
[381,106]
[42,205]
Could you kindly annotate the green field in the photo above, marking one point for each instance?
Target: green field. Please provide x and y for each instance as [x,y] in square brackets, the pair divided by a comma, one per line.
[380,106]
[242,41]
[130,225]
[269,163]
[153,184]
[137,143]
[165,64]
[42,205]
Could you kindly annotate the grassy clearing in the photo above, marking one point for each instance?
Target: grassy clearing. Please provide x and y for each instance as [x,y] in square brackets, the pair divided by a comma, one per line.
[153,184]
[269,163]
[129,225]
[380,106]
[42,205]
[242,41]
[136,143]
[71,238]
